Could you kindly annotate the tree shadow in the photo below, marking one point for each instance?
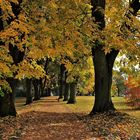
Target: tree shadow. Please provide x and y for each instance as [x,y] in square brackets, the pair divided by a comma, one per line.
[120,103]
[52,126]
[39,125]
[110,124]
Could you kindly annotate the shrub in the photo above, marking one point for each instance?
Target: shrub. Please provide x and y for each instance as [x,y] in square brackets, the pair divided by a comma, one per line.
[133,97]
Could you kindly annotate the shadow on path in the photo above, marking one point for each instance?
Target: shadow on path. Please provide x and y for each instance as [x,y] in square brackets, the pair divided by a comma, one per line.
[53,126]
[48,119]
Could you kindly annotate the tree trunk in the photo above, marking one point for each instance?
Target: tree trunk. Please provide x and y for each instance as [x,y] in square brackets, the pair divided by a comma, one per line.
[103,64]
[36,93]
[13,83]
[42,86]
[66,88]
[66,92]
[118,90]
[7,103]
[29,95]
[45,79]
[36,89]
[61,81]
[72,98]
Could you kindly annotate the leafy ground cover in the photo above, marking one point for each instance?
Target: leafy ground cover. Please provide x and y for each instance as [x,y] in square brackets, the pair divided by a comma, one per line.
[85,104]
[121,125]
[49,119]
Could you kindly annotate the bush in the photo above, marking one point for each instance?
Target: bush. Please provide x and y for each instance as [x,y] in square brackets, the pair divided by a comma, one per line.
[133,97]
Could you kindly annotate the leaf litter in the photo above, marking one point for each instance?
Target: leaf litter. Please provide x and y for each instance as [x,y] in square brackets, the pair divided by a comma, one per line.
[54,121]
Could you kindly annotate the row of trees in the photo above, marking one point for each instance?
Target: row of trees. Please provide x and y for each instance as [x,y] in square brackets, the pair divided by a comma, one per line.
[69,33]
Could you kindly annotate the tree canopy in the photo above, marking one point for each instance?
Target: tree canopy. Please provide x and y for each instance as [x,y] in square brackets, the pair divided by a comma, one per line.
[68,32]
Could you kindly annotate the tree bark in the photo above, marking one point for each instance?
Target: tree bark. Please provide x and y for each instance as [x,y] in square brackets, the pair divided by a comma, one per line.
[103,64]
[66,92]
[29,95]
[7,106]
[61,81]
[37,90]
[42,86]
[7,103]
[135,6]
[72,98]
[66,88]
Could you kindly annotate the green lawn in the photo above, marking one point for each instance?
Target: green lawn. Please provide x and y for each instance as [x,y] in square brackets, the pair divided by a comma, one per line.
[85,104]
[115,126]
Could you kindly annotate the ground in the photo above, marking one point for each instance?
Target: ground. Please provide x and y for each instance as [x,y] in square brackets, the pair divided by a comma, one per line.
[49,119]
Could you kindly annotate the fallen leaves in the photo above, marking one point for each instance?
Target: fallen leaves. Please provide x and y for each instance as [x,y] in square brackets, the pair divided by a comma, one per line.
[51,120]
[113,126]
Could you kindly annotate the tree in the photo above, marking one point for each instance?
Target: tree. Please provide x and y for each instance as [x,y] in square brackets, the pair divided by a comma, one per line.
[61,81]
[104,61]
[62,31]
[15,43]
[13,11]
[66,87]
[72,98]
[29,93]
[103,64]
[66,91]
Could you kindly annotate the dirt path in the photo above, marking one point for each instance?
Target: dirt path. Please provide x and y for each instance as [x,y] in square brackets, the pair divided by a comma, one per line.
[53,121]
[47,119]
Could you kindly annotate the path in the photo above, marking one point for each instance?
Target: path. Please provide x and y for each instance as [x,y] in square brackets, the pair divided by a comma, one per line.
[54,122]
[49,120]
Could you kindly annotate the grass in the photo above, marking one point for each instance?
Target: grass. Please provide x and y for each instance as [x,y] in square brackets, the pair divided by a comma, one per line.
[85,103]
[120,105]
[41,114]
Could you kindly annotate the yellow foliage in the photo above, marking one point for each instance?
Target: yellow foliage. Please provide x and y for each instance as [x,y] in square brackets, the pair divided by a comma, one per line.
[4,68]
[61,30]
[29,70]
